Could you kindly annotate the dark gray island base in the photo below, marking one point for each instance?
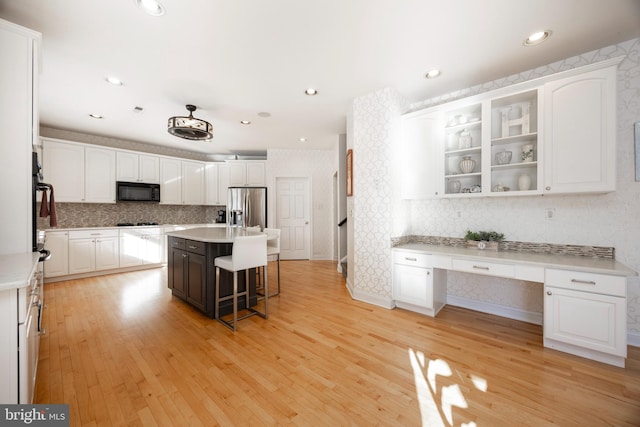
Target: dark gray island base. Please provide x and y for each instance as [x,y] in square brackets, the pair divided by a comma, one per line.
[191,274]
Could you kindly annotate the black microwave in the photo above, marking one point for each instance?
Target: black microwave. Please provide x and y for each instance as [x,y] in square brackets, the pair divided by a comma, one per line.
[137,192]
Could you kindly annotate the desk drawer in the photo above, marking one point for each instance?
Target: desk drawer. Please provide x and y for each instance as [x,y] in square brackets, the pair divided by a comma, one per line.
[414,259]
[588,282]
[483,267]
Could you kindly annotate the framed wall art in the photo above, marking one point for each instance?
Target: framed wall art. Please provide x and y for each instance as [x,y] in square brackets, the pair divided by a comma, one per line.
[349,172]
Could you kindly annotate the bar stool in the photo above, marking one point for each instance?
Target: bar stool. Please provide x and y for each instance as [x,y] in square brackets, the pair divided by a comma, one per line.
[273,249]
[247,252]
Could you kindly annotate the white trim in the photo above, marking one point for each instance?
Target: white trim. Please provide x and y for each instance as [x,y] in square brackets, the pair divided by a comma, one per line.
[54,279]
[496,309]
[372,299]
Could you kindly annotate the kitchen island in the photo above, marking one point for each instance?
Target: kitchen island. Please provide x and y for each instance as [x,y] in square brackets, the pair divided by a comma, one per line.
[191,271]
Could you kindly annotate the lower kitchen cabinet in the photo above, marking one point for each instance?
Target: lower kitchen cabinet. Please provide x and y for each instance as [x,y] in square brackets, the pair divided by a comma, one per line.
[57,242]
[414,287]
[141,246]
[191,275]
[92,250]
[585,314]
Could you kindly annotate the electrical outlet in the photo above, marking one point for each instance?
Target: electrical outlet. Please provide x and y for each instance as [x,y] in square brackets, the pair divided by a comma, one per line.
[549,214]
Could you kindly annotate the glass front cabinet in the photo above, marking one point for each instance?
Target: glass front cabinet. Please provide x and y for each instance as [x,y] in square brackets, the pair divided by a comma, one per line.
[512,141]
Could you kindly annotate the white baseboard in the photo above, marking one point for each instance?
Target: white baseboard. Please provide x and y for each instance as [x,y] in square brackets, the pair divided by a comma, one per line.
[633,339]
[498,310]
[372,299]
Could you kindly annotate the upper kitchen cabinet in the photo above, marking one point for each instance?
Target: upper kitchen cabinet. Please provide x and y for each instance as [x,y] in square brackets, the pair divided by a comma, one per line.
[514,144]
[20,49]
[192,183]
[418,151]
[580,133]
[134,167]
[216,183]
[463,149]
[246,173]
[182,182]
[63,167]
[551,135]
[100,175]
[79,173]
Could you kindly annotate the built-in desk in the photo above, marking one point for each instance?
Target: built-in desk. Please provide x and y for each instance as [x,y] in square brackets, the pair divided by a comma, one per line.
[584,303]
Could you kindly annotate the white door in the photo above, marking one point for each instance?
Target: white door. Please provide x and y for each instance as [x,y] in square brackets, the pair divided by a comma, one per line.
[107,255]
[292,217]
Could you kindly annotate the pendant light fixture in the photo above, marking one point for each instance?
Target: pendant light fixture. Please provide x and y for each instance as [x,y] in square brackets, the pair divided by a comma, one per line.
[190,127]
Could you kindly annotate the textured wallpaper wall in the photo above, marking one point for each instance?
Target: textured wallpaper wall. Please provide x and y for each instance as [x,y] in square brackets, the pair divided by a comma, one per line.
[605,220]
[319,165]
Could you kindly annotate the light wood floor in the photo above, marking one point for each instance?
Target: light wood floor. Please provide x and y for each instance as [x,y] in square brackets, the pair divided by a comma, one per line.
[121,351]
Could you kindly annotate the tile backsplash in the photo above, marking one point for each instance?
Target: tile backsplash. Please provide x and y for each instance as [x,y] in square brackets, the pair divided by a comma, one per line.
[74,215]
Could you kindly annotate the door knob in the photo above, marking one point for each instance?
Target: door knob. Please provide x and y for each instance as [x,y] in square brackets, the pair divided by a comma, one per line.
[306,223]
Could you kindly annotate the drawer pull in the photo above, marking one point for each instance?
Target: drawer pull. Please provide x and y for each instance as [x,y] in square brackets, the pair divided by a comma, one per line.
[480,267]
[96,234]
[193,247]
[410,259]
[584,282]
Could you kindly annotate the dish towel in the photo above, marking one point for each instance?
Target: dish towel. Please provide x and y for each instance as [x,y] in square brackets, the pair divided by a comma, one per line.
[49,209]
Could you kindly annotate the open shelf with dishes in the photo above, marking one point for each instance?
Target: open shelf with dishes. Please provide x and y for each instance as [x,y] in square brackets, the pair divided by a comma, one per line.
[514,143]
[463,150]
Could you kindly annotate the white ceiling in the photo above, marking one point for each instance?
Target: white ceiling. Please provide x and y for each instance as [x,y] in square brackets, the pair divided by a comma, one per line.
[236,58]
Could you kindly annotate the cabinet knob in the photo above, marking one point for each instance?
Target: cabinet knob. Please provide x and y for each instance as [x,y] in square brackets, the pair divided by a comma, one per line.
[184,255]
[548,188]
[549,293]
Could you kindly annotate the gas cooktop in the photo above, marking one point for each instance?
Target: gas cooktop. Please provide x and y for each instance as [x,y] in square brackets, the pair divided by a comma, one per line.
[131,224]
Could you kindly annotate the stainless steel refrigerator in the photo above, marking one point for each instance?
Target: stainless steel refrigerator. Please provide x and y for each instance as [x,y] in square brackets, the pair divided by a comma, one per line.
[247,207]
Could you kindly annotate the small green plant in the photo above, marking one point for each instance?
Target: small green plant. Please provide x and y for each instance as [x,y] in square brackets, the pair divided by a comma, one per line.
[486,236]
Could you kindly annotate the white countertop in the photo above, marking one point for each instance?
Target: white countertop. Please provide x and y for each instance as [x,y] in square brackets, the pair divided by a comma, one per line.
[213,234]
[573,262]
[130,227]
[16,269]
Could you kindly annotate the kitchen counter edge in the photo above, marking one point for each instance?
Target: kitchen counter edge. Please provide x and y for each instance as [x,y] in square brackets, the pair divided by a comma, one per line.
[562,262]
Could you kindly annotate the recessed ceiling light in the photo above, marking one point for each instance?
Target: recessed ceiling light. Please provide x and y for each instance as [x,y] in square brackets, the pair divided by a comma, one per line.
[537,38]
[432,74]
[311,92]
[303,139]
[114,81]
[245,122]
[151,7]
[96,116]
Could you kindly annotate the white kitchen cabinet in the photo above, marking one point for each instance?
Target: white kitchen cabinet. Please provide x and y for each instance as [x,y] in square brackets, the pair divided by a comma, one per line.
[100,175]
[93,250]
[223,183]
[183,182]
[19,123]
[79,173]
[63,167]
[134,167]
[57,242]
[566,122]
[419,155]
[414,286]
[217,183]
[585,314]
[141,246]
[580,133]
[193,182]
[246,173]
[170,181]
[20,311]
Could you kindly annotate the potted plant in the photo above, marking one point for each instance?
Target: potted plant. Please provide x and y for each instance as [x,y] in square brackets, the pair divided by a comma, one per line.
[483,239]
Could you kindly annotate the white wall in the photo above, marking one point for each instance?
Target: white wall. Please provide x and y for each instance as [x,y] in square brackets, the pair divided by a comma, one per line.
[602,220]
[319,166]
